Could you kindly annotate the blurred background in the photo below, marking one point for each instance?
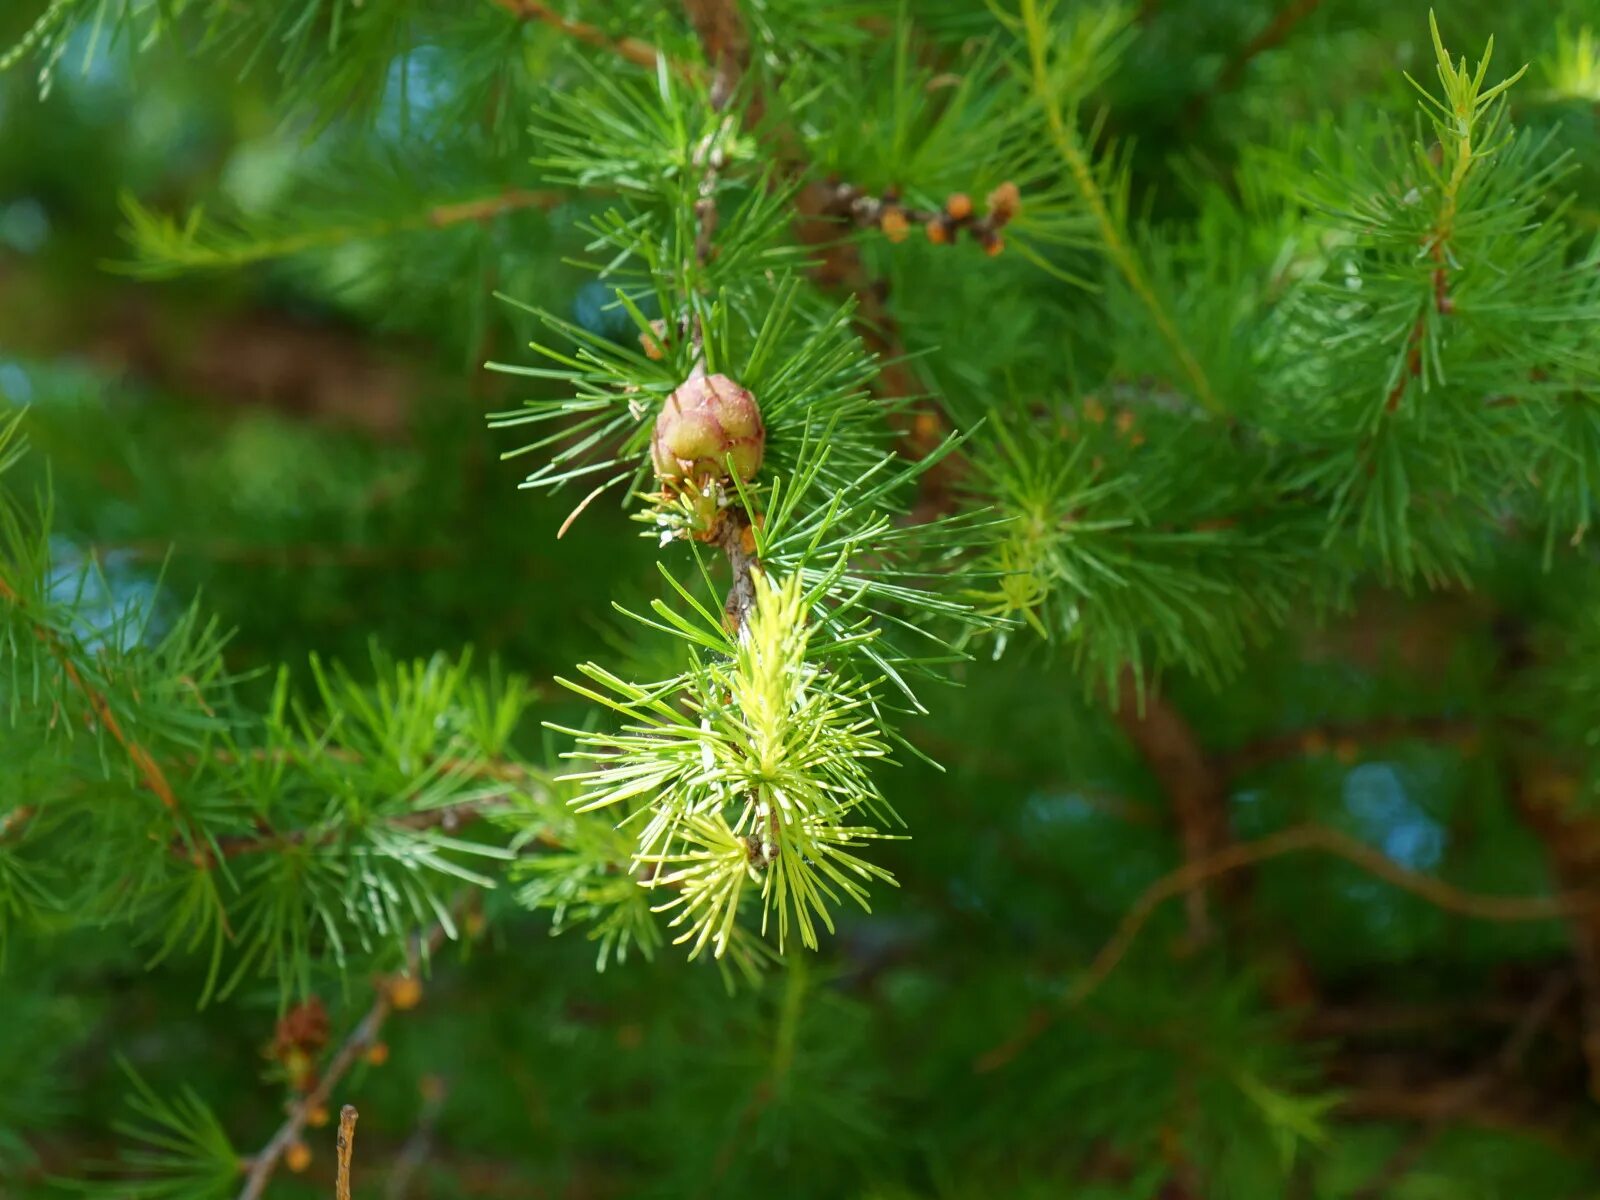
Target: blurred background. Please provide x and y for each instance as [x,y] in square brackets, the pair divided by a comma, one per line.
[299,437]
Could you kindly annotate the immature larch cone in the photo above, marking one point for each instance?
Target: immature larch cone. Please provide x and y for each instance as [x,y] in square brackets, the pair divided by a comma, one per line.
[709,423]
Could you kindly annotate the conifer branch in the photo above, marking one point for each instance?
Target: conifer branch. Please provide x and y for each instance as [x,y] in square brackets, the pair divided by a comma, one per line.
[1294,840]
[261,1166]
[631,49]
[943,226]
[166,246]
[147,767]
[1123,257]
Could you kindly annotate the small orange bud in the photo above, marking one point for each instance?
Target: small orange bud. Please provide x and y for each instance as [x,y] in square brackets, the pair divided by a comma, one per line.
[993,246]
[1004,202]
[378,1053]
[1093,410]
[1314,741]
[959,206]
[297,1157]
[1125,421]
[405,992]
[317,1117]
[894,224]
[938,231]
[747,539]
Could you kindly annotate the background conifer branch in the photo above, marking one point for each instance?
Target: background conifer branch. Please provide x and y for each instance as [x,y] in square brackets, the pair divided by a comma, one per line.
[1294,840]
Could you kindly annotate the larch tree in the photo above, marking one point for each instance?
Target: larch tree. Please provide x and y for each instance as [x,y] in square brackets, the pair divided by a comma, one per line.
[1010,578]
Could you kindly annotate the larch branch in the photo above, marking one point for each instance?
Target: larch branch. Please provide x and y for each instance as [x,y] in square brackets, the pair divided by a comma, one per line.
[260,1168]
[147,767]
[632,49]
[1112,240]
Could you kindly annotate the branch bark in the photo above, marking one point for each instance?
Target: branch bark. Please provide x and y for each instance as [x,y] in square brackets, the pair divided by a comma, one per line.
[632,49]
[1196,791]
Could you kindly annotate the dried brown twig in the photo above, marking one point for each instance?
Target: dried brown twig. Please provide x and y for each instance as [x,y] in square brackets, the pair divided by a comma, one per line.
[347,1146]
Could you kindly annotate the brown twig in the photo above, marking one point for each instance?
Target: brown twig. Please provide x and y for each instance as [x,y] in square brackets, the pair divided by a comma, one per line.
[347,1146]
[1465,1095]
[722,36]
[848,204]
[743,566]
[489,207]
[1196,791]
[632,49]
[829,210]
[720,28]
[259,1169]
[1294,840]
[147,767]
